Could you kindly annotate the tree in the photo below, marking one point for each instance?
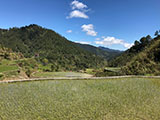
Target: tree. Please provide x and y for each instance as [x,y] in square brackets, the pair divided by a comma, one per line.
[143,40]
[136,43]
[156,33]
[148,38]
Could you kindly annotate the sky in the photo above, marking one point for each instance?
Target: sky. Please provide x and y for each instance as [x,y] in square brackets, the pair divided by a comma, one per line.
[114,24]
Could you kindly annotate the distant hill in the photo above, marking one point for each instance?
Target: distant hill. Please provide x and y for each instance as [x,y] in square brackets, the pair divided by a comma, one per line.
[112,53]
[110,50]
[103,52]
[48,46]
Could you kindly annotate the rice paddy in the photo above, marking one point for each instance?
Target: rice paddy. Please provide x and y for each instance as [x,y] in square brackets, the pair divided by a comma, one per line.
[111,99]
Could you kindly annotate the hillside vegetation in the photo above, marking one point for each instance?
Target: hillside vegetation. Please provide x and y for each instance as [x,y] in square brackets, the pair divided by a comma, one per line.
[127,56]
[145,62]
[35,49]
[14,65]
[103,52]
[143,58]
[48,47]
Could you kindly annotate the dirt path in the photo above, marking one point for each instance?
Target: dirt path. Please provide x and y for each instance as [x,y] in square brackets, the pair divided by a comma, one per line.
[74,78]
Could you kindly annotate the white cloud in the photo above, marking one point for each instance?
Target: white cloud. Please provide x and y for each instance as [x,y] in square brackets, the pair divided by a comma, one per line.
[78,5]
[83,42]
[69,31]
[112,40]
[89,29]
[128,45]
[77,14]
[78,10]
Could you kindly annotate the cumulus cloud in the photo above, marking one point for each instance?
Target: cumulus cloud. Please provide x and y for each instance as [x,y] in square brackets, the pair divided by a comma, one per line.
[89,29]
[69,31]
[77,14]
[78,10]
[112,40]
[78,5]
[128,45]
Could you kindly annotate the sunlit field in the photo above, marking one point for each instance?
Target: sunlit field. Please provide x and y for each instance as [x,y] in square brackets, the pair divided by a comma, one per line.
[112,99]
[61,74]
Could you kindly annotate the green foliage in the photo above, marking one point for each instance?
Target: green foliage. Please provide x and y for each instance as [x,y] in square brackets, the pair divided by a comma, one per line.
[8,54]
[30,62]
[29,65]
[128,55]
[45,61]
[103,52]
[50,47]
[146,62]
[1,75]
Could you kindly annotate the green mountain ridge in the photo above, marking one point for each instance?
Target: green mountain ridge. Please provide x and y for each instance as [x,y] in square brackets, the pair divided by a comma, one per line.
[103,52]
[49,47]
[36,48]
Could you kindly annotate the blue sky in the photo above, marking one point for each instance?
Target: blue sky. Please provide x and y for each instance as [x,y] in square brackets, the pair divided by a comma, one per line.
[111,23]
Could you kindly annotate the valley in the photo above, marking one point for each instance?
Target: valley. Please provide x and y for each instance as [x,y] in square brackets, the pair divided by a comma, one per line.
[45,76]
[79,60]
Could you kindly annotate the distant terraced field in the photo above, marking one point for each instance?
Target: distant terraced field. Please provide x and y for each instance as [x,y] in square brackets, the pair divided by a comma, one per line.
[61,74]
[111,99]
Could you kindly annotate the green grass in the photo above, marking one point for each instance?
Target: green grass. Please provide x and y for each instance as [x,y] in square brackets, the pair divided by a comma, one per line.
[5,68]
[8,62]
[113,69]
[8,65]
[114,99]
[60,74]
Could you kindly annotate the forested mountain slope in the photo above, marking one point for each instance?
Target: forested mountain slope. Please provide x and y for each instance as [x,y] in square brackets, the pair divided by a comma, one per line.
[129,54]
[49,47]
[105,53]
[145,62]
[112,53]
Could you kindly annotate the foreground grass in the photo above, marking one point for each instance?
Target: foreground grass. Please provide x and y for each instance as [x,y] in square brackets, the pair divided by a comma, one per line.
[6,68]
[116,99]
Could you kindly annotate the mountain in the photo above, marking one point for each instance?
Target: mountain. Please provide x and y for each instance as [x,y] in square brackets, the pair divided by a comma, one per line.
[48,46]
[143,58]
[110,50]
[129,54]
[145,62]
[103,52]
[112,53]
